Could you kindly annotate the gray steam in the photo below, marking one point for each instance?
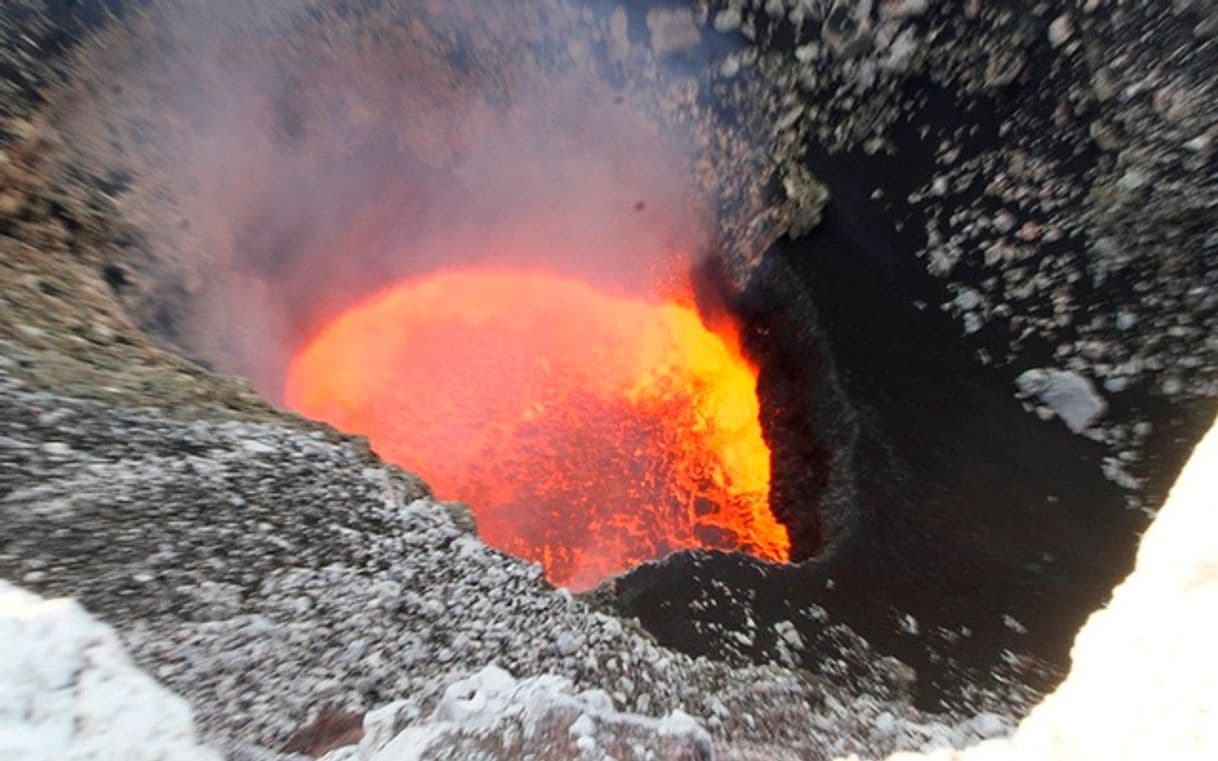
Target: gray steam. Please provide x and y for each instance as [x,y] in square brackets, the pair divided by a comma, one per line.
[287,159]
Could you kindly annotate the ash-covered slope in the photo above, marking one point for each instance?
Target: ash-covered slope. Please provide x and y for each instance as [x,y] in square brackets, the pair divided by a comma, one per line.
[270,573]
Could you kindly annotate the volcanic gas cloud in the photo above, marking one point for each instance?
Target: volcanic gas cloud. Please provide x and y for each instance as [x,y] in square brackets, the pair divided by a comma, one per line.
[588,430]
[529,190]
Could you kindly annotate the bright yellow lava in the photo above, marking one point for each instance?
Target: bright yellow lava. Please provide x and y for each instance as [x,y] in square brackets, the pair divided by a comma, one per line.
[588,431]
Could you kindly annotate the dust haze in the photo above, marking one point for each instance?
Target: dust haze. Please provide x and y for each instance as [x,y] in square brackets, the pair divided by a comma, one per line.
[284,160]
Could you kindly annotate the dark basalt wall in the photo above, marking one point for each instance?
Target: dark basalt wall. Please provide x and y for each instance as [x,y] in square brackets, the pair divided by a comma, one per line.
[961,535]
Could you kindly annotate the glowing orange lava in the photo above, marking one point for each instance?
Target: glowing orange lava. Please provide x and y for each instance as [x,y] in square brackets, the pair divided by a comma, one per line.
[588,431]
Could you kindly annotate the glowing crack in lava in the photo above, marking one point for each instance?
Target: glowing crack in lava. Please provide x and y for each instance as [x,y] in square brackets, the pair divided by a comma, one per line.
[588,431]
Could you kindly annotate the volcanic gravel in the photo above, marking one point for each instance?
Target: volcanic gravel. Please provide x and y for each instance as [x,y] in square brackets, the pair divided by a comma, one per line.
[1071,202]
[268,573]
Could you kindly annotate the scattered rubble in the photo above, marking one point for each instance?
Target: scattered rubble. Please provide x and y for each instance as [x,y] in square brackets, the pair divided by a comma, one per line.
[490,713]
[270,573]
[1072,198]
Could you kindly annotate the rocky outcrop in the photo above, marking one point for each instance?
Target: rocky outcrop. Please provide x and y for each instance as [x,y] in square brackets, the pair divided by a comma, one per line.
[69,691]
[1065,394]
[275,575]
[543,717]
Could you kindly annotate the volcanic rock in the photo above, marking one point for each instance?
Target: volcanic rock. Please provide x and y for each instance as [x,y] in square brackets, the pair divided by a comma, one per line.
[1060,31]
[1207,27]
[727,20]
[175,531]
[847,28]
[806,200]
[899,9]
[1004,67]
[265,568]
[69,691]
[542,717]
[1072,397]
[672,30]
[901,53]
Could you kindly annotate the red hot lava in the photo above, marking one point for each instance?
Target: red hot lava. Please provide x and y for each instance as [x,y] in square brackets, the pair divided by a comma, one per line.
[588,431]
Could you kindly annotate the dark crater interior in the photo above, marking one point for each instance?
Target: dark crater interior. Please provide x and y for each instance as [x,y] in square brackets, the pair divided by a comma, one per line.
[912,481]
[929,513]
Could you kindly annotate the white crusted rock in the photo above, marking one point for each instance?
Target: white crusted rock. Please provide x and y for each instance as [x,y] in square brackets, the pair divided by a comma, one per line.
[69,691]
[1071,396]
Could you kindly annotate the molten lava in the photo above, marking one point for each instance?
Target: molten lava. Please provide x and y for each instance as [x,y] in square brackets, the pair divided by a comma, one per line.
[588,431]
